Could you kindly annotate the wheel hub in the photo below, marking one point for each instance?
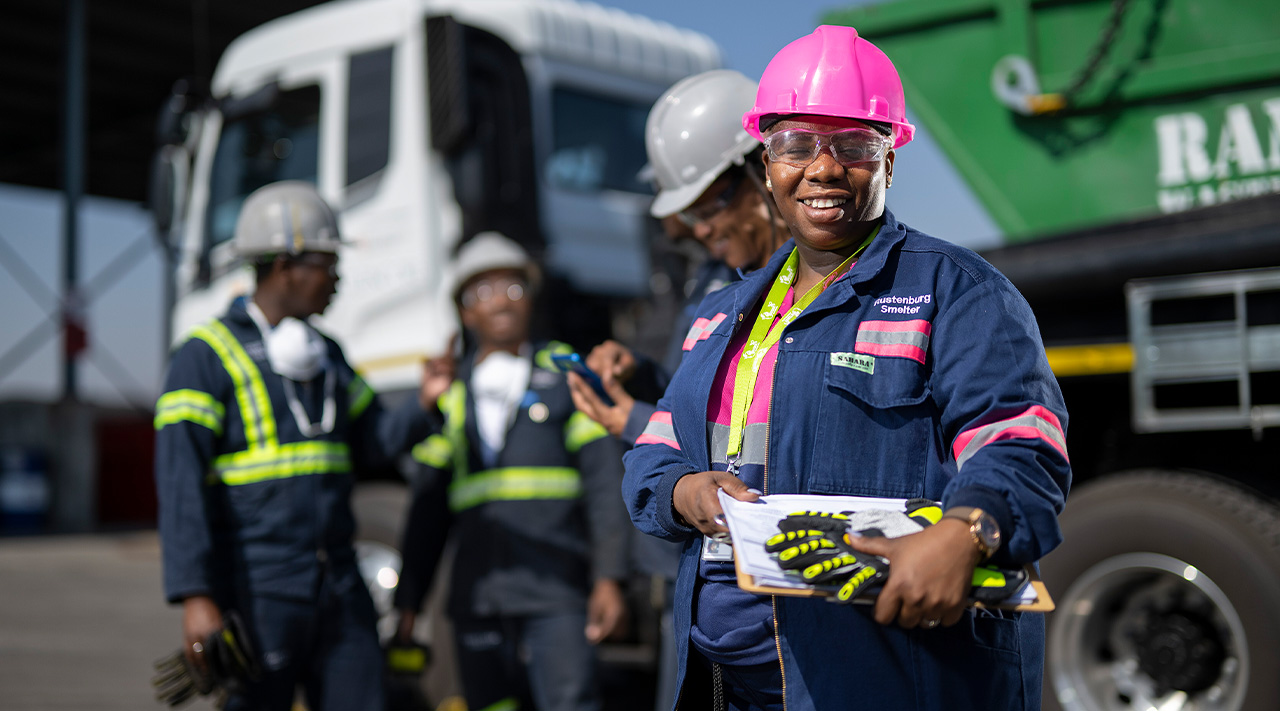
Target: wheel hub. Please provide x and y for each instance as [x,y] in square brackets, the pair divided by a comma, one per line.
[1180,651]
[1146,631]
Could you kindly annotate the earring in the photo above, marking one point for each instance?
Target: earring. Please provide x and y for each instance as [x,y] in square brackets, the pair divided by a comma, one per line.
[768,184]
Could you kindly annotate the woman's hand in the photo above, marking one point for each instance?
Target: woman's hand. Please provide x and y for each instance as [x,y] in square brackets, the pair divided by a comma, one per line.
[612,361]
[613,418]
[695,499]
[930,574]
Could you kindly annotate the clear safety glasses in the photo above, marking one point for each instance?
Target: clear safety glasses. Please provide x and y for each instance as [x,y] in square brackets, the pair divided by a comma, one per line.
[695,214]
[327,263]
[849,146]
[487,289]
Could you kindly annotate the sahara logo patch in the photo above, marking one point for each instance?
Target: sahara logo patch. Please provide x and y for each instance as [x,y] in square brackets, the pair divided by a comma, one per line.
[857,361]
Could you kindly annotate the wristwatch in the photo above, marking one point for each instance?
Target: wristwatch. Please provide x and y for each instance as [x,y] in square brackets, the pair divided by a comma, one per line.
[982,527]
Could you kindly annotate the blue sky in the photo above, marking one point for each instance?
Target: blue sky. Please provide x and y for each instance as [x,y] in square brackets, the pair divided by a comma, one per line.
[125,322]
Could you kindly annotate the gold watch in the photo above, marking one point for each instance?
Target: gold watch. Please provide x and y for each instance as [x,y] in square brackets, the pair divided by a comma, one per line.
[982,527]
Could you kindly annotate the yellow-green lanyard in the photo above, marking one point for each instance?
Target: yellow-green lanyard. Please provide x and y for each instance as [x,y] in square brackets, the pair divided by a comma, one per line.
[765,332]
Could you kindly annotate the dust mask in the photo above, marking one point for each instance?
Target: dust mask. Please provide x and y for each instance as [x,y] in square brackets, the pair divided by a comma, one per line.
[297,352]
[294,350]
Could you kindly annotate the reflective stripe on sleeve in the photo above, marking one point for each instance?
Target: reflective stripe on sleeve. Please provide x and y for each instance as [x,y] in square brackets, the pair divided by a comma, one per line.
[189,406]
[660,430]
[281,462]
[580,430]
[514,484]
[900,339]
[434,451]
[359,394]
[701,329]
[1036,422]
[542,358]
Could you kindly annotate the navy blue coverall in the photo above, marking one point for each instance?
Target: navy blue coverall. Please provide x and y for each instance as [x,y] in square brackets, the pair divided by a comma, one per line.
[257,515]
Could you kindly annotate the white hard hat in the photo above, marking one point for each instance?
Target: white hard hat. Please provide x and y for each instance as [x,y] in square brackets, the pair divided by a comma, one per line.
[288,217]
[694,133]
[487,252]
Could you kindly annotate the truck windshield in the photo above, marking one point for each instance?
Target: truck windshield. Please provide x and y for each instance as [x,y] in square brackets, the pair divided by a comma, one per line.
[280,142]
[599,142]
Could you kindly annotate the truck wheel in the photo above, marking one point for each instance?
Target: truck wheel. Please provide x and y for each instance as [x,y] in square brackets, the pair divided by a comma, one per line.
[1168,597]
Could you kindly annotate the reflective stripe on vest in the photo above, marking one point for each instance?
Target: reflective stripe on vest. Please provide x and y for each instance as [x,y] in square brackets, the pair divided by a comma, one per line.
[264,457]
[189,406]
[453,405]
[514,484]
[280,462]
[251,391]
[359,394]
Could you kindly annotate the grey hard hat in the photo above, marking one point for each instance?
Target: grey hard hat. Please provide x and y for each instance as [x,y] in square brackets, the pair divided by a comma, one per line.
[694,133]
[288,217]
[487,252]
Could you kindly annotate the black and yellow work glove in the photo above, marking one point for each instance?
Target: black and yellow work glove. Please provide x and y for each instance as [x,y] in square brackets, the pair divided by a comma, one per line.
[992,585]
[815,546]
[407,658]
[229,658]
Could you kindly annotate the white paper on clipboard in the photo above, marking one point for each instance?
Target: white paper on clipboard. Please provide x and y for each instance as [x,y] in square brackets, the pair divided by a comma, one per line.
[752,523]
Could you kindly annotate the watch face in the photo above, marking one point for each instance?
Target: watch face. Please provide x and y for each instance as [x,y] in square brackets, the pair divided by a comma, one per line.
[988,531]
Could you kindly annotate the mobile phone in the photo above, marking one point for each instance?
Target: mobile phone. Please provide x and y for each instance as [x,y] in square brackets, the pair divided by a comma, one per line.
[573,362]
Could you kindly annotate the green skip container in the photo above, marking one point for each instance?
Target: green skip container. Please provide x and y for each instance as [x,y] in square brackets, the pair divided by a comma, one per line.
[1064,115]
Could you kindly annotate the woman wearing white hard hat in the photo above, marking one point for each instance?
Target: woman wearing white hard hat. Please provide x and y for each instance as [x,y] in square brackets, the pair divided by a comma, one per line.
[865,359]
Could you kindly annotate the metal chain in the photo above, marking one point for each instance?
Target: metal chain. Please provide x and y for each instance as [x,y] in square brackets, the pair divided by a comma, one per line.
[1100,50]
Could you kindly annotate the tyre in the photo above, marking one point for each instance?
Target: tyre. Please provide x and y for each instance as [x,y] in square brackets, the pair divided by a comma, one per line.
[1168,597]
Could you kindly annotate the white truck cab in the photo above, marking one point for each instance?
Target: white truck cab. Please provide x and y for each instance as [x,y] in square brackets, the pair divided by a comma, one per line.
[425,122]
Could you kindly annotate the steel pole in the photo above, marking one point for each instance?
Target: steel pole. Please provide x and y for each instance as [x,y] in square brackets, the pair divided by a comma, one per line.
[73,159]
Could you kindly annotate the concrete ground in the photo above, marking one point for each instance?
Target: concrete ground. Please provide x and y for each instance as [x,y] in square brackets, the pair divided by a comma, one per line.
[82,620]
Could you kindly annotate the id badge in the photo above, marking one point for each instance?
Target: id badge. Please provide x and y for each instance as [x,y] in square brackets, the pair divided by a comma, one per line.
[718,549]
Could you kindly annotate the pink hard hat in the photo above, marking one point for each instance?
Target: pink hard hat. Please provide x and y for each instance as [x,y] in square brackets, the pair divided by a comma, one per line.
[832,72]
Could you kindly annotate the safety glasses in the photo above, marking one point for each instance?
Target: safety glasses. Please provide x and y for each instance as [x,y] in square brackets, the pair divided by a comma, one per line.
[695,214]
[487,289]
[849,146]
[327,263]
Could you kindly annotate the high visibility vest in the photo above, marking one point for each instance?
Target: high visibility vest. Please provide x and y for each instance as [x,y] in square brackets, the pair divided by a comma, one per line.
[264,457]
[470,489]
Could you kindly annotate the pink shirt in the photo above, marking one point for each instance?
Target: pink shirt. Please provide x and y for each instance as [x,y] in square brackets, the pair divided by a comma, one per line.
[720,404]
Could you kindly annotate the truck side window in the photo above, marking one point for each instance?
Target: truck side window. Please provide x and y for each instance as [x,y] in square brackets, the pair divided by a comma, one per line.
[280,141]
[368,113]
[599,142]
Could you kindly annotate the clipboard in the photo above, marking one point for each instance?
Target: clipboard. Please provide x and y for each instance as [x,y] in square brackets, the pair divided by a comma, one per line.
[1041,601]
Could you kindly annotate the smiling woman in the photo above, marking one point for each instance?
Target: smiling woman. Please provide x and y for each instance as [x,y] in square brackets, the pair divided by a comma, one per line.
[799,381]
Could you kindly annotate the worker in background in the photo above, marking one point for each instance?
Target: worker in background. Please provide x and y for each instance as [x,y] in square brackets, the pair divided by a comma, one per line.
[261,428]
[711,187]
[532,503]
[865,359]
[710,183]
